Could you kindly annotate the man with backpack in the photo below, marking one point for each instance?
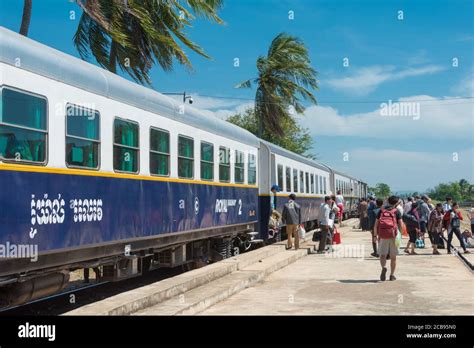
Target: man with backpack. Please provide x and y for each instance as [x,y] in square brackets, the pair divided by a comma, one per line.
[424,212]
[453,218]
[379,204]
[386,229]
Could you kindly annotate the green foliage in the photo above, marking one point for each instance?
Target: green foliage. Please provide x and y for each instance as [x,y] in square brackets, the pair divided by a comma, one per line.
[459,191]
[295,138]
[284,76]
[136,34]
[380,190]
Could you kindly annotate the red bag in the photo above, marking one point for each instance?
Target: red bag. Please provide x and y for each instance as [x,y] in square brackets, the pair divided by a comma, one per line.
[337,237]
[388,224]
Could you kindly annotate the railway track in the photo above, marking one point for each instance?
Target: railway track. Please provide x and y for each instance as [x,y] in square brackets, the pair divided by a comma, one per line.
[460,255]
[72,298]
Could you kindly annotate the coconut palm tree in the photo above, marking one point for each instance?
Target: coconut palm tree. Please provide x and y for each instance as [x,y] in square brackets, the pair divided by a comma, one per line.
[136,34]
[284,76]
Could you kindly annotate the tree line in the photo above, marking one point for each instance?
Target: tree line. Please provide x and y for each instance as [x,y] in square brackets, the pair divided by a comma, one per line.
[460,191]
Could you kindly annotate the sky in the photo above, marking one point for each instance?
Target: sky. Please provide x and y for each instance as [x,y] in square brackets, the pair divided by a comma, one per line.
[396,78]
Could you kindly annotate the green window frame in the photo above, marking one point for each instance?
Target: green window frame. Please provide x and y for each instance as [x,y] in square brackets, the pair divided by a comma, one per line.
[82,137]
[185,157]
[301,181]
[288,179]
[126,146]
[295,180]
[159,152]
[239,167]
[280,175]
[252,170]
[307,182]
[207,161]
[224,164]
[23,127]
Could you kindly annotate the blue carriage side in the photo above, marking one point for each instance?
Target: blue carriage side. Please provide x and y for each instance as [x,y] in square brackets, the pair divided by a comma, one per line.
[68,211]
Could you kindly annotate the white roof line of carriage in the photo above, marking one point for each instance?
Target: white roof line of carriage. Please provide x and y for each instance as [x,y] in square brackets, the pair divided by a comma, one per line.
[59,66]
[284,152]
[56,65]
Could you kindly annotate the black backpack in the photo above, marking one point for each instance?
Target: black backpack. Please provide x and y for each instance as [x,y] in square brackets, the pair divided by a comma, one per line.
[455,221]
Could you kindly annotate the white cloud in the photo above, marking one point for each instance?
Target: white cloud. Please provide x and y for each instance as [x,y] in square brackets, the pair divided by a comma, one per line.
[218,107]
[409,170]
[364,80]
[466,86]
[439,118]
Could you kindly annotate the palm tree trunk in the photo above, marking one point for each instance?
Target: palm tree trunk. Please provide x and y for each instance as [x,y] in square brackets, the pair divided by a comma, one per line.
[260,127]
[25,20]
[113,57]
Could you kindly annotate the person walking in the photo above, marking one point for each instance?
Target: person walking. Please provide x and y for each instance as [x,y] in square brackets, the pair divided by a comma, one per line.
[447,204]
[388,220]
[370,212]
[424,211]
[340,204]
[407,206]
[362,210]
[375,212]
[291,216]
[324,222]
[412,222]
[454,226]
[435,226]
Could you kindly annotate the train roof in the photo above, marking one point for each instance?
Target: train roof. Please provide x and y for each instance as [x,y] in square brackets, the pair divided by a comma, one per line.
[284,152]
[56,65]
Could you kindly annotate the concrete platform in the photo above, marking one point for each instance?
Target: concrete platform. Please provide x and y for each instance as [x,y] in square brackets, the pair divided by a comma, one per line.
[200,288]
[347,283]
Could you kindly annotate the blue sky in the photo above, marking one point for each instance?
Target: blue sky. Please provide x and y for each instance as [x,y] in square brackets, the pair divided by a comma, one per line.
[407,60]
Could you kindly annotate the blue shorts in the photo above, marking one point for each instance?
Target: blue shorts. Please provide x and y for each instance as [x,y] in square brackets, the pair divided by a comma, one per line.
[423,226]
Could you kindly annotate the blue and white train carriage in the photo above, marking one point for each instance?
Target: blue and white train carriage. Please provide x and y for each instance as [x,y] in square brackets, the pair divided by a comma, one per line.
[99,172]
[94,167]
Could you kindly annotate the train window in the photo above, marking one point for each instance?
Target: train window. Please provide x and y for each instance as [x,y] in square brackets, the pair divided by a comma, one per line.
[82,137]
[224,164]
[301,182]
[307,182]
[239,168]
[207,161]
[23,127]
[325,179]
[312,183]
[288,179]
[126,146]
[295,180]
[280,176]
[159,152]
[185,157]
[252,170]
[320,185]
[317,184]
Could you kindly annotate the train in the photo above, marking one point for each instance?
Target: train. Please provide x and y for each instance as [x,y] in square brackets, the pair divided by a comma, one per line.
[99,172]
